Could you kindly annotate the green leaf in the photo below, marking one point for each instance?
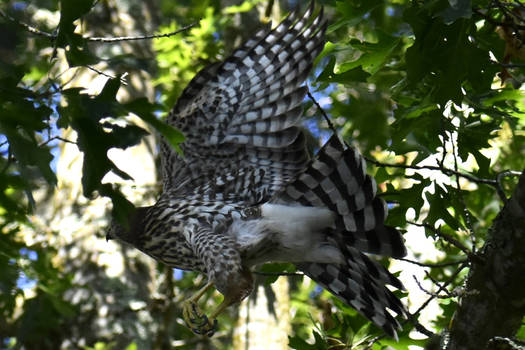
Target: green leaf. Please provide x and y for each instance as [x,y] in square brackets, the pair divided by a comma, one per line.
[70,10]
[124,137]
[442,58]
[83,113]
[276,269]
[404,343]
[245,6]
[348,77]
[11,207]
[298,343]
[419,133]
[109,91]
[367,118]
[353,12]
[521,332]
[407,198]
[122,208]
[475,136]
[80,55]
[95,143]
[373,55]
[144,110]
[131,346]
[439,203]
[10,74]
[18,111]
[495,96]
[28,153]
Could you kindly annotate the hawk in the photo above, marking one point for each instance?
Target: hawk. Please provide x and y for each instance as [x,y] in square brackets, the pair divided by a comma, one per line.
[245,191]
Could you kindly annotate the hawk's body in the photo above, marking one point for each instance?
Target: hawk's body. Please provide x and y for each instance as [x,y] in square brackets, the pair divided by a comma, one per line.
[246,192]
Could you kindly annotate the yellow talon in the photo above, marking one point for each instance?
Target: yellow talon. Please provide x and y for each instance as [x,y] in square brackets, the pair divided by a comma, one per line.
[195,319]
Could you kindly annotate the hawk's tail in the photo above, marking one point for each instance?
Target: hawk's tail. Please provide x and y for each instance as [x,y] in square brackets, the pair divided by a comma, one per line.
[361,284]
[336,179]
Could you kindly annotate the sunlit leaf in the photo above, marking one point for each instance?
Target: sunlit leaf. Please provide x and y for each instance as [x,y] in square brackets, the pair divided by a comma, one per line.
[373,55]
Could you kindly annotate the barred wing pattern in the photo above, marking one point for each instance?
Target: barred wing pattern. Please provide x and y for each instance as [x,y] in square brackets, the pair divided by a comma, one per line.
[241,115]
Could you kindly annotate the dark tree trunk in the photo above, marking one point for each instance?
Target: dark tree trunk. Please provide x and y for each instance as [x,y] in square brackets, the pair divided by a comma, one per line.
[494,301]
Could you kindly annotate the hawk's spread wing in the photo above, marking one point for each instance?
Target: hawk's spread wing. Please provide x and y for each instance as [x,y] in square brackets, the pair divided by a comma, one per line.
[240,116]
[243,148]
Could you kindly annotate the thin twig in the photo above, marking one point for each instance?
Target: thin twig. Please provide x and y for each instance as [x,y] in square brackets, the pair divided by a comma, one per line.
[412,317]
[451,294]
[27,27]
[323,113]
[39,32]
[494,183]
[427,292]
[262,273]
[444,143]
[449,239]
[121,79]
[466,213]
[141,37]
[509,65]
[444,170]
[435,265]
[421,329]
[56,138]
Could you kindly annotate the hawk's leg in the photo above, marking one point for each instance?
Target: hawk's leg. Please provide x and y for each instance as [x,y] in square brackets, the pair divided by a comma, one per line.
[225,270]
[195,319]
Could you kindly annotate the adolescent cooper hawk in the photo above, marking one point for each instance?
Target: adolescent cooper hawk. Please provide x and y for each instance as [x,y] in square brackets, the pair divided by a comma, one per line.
[245,191]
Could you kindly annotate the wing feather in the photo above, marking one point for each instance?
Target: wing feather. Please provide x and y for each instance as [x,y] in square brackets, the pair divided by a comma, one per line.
[243,113]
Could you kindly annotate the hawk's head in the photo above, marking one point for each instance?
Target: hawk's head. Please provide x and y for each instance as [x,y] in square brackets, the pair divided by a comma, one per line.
[131,230]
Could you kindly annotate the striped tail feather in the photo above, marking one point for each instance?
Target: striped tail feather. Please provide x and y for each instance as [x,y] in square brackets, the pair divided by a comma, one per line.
[336,179]
[361,289]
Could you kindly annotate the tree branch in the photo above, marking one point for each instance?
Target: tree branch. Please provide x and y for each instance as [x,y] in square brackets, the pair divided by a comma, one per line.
[293,274]
[141,37]
[121,79]
[435,265]
[56,138]
[52,36]
[492,305]
[427,292]
[27,27]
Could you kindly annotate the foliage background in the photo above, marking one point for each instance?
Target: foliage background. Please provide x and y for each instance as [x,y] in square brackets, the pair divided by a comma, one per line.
[430,91]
